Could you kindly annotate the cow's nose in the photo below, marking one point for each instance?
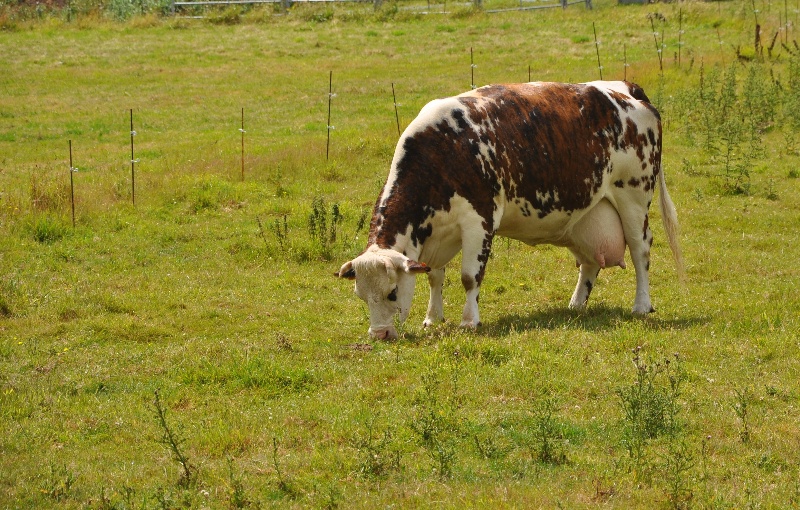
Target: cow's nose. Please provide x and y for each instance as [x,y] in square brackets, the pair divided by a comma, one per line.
[384,334]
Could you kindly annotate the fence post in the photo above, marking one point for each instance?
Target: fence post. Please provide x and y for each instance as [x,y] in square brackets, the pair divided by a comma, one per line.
[133,165]
[330,98]
[72,170]
[597,49]
[472,67]
[396,115]
[243,132]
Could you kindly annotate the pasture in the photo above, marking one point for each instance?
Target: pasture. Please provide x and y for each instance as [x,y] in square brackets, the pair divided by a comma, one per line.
[195,350]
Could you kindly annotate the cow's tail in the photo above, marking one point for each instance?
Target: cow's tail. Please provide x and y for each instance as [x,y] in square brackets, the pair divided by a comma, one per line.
[670,218]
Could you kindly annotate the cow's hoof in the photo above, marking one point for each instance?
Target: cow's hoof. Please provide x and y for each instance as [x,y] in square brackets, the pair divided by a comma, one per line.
[430,322]
[470,324]
[578,305]
[643,310]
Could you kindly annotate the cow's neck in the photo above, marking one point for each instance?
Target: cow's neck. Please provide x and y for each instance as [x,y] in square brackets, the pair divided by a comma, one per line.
[392,228]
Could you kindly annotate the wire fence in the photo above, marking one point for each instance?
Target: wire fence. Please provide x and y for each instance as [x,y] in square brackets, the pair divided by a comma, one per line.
[181,6]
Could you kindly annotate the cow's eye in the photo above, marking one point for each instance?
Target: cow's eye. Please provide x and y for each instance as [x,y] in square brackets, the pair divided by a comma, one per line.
[392,295]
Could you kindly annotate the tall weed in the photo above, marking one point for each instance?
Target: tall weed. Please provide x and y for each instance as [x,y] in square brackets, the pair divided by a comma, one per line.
[435,420]
[650,407]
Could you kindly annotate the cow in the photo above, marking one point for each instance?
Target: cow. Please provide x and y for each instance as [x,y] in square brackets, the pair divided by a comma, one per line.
[572,165]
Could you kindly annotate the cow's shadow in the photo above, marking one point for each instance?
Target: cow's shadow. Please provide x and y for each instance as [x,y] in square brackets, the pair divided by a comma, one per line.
[595,318]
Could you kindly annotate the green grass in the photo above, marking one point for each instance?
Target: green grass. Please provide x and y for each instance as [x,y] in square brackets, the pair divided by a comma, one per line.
[217,294]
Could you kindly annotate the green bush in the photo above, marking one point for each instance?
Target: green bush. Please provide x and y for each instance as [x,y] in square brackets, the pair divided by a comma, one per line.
[211,193]
[47,229]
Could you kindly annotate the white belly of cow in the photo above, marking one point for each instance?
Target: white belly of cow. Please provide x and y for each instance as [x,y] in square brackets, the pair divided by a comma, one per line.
[523,224]
[596,237]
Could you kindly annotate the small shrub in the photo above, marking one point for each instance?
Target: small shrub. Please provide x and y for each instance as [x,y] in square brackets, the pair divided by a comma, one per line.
[651,408]
[314,13]
[741,406]
[210,193]
[121,10]
[174,443]
[490,446]
[435,422]
[286,485]
[48,194]
[323,224]
[59,483]
[5,307]
[792,95]
[466,12]
[9,297]
[547,434]
[237,496]
[678,464]
[772,193]
[48,229]
[387,12]
[379,454]
[281,231]
[229,16]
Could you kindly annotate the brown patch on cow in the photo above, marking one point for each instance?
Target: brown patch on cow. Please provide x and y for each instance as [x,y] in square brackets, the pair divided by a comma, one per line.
[634,182]
[483,258]
[418,192]
[557,136]
[646,229]
[635,139]
[619,184]
[622,100]
[637,92]
[468,281]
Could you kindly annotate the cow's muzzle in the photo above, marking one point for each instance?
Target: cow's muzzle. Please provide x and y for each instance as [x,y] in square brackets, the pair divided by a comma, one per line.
[383,333]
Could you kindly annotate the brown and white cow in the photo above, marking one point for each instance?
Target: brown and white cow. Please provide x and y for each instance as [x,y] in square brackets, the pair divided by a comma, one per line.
[572,165]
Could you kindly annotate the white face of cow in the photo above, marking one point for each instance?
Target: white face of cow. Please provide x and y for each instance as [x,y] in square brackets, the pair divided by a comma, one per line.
[385,281]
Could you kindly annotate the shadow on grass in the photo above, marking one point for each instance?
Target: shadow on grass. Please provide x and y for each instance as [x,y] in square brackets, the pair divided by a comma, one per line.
[594,318]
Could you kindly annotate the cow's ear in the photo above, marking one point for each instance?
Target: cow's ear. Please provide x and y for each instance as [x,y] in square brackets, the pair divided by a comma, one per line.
[346,271]
[412,266]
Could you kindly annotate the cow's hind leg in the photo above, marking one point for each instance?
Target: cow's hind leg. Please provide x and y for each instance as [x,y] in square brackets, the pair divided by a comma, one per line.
[475,254]
[586,279]
[435,306]
[639,237]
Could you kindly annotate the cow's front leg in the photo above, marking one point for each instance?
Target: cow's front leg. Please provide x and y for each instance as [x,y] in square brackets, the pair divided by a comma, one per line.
[586,278]
[435,306]
[475,254]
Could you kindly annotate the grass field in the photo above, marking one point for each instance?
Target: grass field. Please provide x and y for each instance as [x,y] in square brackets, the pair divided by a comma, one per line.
[194,350]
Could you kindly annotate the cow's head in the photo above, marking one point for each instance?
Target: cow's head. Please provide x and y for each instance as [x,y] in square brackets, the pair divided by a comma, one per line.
[385,280]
